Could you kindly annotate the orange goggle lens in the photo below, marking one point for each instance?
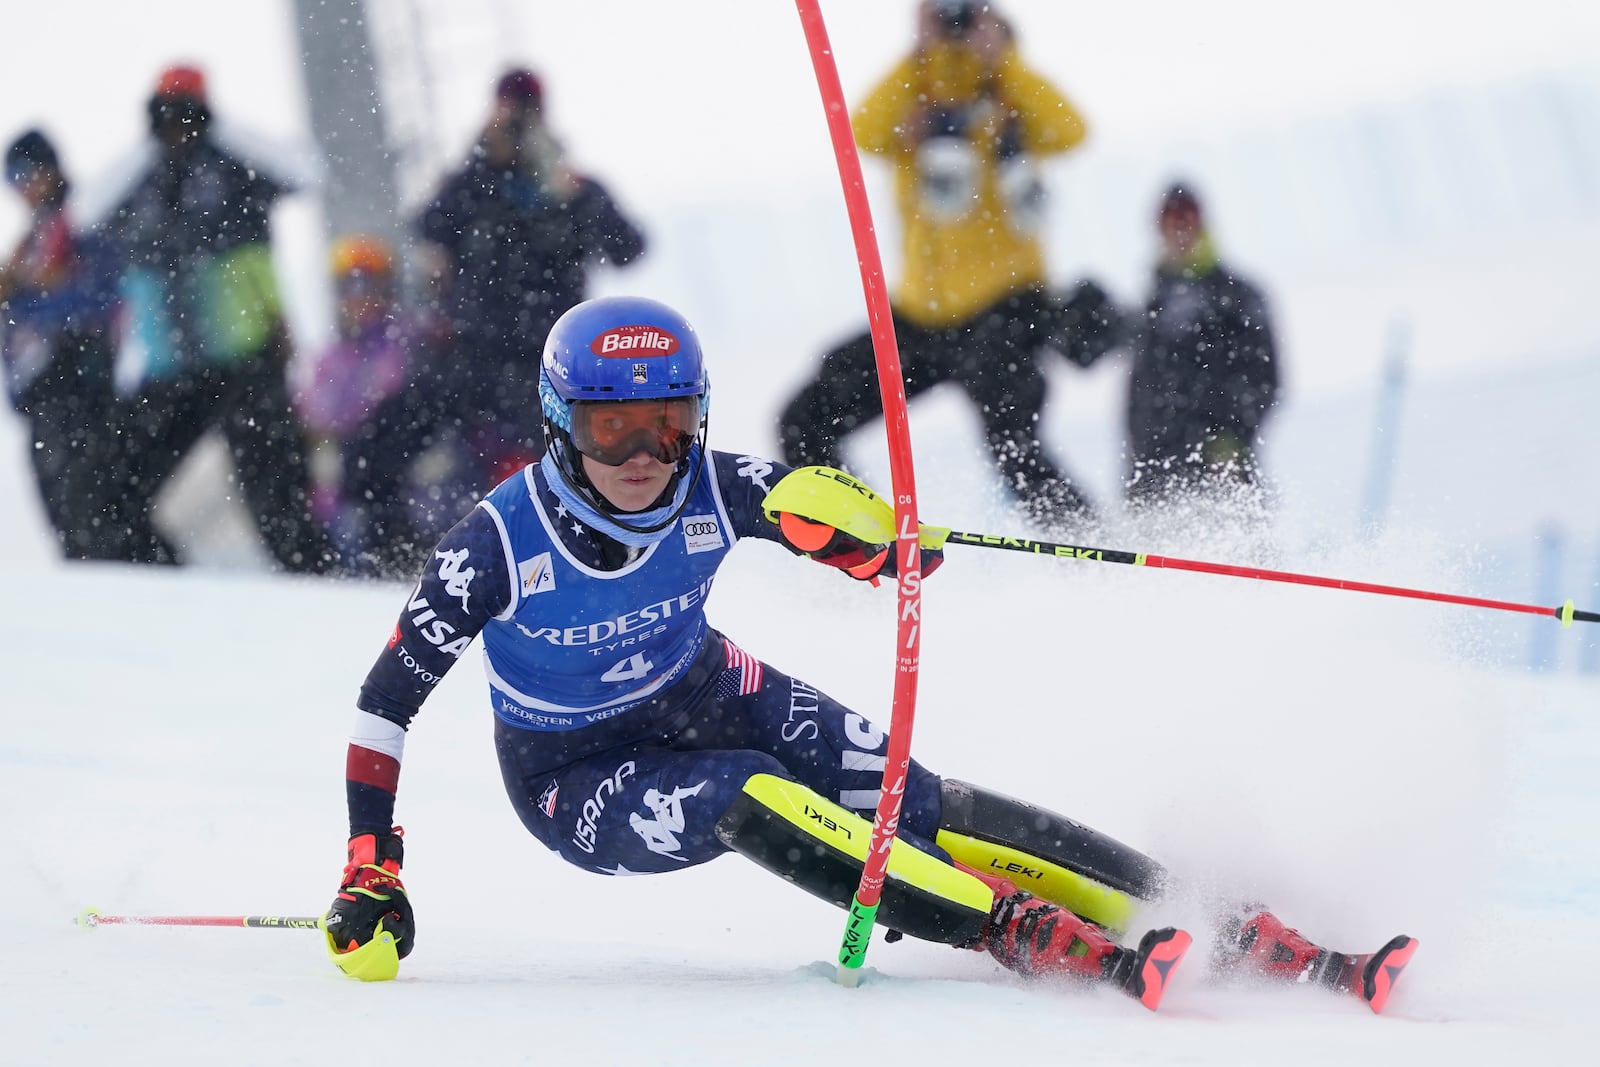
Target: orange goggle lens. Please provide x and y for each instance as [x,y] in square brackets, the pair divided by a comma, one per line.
[614,431]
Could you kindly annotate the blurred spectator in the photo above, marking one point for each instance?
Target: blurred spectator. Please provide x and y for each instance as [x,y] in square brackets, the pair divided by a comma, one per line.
[964,122]
[58,297]
[205,312]
[1205,369]
[517,232]
[352,399]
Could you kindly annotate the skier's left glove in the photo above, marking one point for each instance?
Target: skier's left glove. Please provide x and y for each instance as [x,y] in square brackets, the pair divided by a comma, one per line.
[835,519]
[861,561]
[370,928]
[832,546]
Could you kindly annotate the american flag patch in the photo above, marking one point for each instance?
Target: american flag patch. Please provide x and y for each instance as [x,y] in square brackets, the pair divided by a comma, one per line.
[742,676]
[547,800]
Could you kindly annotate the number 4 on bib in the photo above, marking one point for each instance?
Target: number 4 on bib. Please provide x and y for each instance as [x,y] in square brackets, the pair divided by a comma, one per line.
[635,666]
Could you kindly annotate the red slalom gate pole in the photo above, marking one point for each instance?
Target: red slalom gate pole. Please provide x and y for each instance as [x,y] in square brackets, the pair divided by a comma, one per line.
[89,918]
[863,910]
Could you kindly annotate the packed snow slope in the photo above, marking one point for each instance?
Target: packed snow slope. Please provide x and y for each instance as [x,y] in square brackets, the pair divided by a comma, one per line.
[173,742]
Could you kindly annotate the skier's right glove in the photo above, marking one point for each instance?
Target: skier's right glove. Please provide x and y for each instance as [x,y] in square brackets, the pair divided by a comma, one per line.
[370,928]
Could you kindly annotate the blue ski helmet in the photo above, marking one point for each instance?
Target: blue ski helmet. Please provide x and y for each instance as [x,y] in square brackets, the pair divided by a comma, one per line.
[616,348]
[619,348]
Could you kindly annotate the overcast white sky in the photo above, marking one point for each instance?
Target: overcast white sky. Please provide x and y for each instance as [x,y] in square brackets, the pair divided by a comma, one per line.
[721,92]
[675,105]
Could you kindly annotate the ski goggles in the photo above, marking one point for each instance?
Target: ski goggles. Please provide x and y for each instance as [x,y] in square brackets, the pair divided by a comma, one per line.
[614,431]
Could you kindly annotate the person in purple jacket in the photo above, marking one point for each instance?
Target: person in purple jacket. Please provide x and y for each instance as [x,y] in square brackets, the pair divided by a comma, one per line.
[352,400]
[633,738]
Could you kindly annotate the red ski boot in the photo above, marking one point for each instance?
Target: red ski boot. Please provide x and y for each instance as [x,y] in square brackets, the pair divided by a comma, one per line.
[1036,938]
[1257,940]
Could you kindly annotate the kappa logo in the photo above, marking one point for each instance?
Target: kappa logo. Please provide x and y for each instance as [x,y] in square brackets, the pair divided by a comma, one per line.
[701,533]
[661,833]
[457,579]
[537,575]
[756,469]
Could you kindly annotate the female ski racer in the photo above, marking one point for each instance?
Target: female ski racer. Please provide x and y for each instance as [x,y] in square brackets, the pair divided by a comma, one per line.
[635,739]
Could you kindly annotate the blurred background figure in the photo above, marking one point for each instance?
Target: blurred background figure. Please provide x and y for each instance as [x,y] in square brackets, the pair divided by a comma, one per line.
[515,234]
[206,317]
[352,399]
[58,300]
[1205,367]
[964,121]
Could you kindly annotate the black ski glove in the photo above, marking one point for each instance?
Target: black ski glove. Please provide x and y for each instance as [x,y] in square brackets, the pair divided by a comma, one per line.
[370,928]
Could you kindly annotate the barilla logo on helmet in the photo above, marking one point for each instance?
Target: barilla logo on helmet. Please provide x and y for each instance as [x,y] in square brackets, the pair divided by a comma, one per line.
[634,341]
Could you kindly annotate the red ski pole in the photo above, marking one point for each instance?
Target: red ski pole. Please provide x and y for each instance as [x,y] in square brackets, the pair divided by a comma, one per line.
[89,918]
[939,537]
[908,557]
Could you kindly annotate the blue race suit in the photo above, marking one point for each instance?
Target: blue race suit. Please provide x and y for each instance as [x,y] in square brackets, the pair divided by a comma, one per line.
[624,724]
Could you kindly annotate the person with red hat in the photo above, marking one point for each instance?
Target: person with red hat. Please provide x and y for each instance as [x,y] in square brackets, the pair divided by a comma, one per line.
[205,311]
[517,233]
[181,82]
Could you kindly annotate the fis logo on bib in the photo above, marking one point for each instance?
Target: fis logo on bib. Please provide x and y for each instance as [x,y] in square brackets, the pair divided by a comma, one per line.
[701,533]
[536,574]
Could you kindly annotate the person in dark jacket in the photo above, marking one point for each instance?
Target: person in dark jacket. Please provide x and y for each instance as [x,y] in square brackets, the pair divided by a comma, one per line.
[58,301]
[518,232]
[1205,366]
[205,312]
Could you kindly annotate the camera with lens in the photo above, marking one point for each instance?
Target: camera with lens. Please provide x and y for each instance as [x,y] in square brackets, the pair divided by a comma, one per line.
[956,16]
[181,115]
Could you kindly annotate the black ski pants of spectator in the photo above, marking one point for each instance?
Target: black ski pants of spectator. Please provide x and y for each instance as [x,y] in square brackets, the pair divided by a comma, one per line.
[248,401]
[77,448]
[992,356]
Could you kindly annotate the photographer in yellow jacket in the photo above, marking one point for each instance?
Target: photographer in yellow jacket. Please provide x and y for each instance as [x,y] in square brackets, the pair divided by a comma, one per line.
[964,121]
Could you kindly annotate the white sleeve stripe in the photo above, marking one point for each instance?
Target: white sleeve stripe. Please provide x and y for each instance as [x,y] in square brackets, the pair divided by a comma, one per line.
[511,560]
[379,734]
[722,507]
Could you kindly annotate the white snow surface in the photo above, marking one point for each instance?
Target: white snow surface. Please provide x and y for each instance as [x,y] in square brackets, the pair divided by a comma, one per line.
[172,743]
